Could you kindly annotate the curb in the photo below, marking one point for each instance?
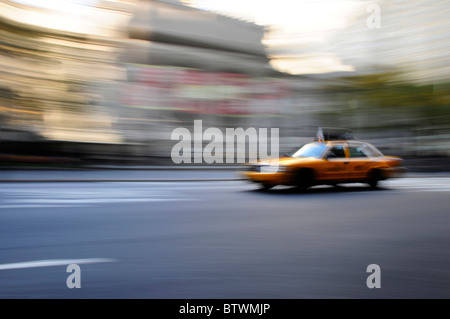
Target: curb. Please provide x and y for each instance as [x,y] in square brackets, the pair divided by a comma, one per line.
[125,168]
[117,180]
[163,168]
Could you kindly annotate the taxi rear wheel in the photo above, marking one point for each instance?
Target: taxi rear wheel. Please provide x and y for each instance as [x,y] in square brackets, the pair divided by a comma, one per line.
[375,177]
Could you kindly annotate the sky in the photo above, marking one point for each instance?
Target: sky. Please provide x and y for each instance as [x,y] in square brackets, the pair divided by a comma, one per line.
[59,5]
[309,14]
[77,16]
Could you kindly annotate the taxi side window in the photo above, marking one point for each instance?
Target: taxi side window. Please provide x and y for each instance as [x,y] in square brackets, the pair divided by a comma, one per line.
[336,152]
[356,151]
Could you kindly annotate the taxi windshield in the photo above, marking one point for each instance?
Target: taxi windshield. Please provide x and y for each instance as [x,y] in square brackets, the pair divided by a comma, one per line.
[311,150]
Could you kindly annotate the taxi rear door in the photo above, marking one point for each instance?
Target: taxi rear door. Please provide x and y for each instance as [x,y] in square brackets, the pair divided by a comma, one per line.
[359,162]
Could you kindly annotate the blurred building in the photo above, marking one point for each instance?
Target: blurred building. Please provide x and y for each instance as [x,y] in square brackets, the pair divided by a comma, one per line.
[112,79]
[58,70]
[184,63]
[126,73]
[170,33]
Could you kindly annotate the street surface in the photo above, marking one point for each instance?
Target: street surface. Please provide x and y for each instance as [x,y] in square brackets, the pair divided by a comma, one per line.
[220,239]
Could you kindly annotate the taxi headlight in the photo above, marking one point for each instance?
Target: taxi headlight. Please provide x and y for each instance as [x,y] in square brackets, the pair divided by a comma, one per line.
[274,169]
[283,168]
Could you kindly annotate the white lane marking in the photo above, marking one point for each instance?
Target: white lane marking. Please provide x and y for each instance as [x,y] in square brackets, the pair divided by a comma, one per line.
[40,206]
[87,196]
[96,200]
[144,185]
[54,262]
[434,190]
[440,184]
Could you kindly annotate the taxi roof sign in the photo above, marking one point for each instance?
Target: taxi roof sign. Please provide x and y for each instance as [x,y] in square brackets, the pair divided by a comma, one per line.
[333,134]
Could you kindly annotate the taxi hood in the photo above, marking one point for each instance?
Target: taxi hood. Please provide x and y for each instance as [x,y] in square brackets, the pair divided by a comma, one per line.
[286,161]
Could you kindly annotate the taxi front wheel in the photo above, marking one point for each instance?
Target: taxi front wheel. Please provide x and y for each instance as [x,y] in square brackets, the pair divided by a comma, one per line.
[304,179]
[267,186]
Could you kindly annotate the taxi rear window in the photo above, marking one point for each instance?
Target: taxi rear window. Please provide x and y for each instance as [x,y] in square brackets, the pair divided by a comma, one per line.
[356,151]
[363,150]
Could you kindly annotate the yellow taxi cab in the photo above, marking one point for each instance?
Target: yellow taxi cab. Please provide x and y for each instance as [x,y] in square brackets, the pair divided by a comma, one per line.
[333,158]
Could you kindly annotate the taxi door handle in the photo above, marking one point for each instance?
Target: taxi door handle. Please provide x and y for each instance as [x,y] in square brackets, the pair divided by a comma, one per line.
[346,163]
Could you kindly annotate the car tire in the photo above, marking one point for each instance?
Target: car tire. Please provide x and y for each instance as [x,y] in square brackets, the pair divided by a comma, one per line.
[266,186]
[304,179]
[375,177]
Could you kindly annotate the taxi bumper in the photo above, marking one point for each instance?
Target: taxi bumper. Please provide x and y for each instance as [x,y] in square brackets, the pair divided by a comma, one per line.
[272,178]
[394,172]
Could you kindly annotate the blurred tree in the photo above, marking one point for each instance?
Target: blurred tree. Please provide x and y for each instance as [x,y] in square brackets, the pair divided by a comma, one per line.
[386,100]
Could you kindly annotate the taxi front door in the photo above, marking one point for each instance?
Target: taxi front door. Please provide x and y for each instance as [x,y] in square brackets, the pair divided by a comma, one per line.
[336,166]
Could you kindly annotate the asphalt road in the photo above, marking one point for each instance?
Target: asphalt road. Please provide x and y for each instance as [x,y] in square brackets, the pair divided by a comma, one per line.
[224,239]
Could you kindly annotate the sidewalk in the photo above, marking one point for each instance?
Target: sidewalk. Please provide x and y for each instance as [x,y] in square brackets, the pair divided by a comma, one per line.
[119,174]
[145,174]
